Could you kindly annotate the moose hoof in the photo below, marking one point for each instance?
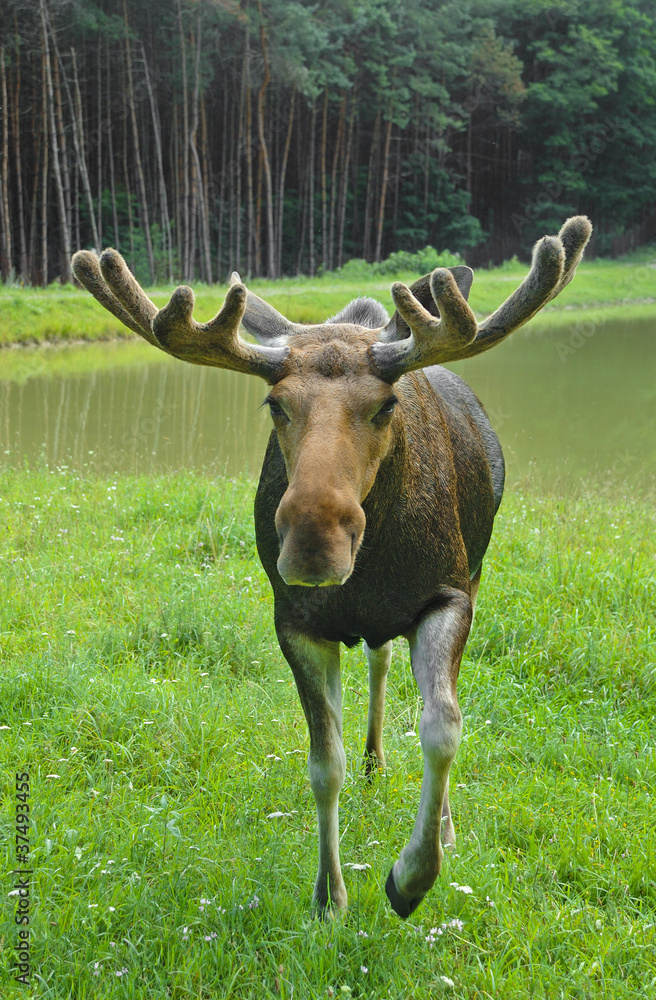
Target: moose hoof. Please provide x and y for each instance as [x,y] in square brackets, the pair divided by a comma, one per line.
[328,911]
[374,763]
[329,903]
[401,906]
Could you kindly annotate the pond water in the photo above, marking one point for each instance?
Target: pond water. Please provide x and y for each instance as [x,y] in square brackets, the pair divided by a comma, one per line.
[571,405]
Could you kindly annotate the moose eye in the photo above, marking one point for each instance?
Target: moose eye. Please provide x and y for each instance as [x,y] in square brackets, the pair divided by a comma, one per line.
[276,409]
[386,409]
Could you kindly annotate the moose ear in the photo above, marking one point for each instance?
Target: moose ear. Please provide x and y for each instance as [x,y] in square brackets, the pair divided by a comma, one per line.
[398,329]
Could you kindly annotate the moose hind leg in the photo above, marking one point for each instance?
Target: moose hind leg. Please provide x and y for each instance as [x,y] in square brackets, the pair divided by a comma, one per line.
[379,664]
[448,831]
[316,669]
[436,647]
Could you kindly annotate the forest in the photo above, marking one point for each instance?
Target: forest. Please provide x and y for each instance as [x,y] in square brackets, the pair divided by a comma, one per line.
[281,137]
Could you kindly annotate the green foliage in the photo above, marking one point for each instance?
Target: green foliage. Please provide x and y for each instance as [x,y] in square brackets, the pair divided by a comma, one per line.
[506,118]
[400,262]
[589,113]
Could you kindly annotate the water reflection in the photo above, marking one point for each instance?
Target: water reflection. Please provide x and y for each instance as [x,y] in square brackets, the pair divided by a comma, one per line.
[156,414]
[562,416]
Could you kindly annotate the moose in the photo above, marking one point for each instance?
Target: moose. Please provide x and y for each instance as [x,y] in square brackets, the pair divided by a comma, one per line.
[375,504]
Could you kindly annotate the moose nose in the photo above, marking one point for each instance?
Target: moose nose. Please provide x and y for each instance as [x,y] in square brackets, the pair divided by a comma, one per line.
[318,542]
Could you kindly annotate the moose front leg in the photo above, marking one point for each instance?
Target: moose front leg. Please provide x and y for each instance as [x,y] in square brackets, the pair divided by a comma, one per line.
[379,664]
[436,646]
[316,670]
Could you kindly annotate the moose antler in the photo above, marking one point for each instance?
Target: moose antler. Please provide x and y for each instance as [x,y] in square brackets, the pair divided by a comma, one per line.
[454,333]
[173,328]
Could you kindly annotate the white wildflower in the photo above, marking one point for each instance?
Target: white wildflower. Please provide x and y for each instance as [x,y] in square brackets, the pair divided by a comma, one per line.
[467,889]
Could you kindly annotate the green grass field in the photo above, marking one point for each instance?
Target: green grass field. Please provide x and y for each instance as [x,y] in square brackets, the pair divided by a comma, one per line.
[31,315]
[173,831]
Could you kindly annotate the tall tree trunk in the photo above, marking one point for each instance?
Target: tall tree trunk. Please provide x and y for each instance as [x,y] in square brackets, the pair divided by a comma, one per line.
[324,183]
[78,143]
[258,216]
[313,129]
[383,187]
[177,191]
[208,180]
[238,166]
[250,213]
[302,194]
[126,177]
[266,166]
[369,199]
[357,227]
[427,159]
[110,144]
[61,134]
[333,182]
[397,186]
[193,187]
[141,181]
[199,186]
[45,174]
[99,149]
[344,187]
[163,201]
[225,143]
[23,266]
[281,181]
[61,203]
[185,213]
[5,217]
[31,249]
[75,222]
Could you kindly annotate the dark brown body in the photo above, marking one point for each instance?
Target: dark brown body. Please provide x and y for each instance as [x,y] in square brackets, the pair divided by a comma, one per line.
[429,517]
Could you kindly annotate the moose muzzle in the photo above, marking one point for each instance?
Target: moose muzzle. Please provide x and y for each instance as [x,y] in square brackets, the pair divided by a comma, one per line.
[319,537]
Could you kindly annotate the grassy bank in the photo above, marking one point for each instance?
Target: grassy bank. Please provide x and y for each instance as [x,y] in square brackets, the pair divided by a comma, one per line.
[64,314]
[173,834]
